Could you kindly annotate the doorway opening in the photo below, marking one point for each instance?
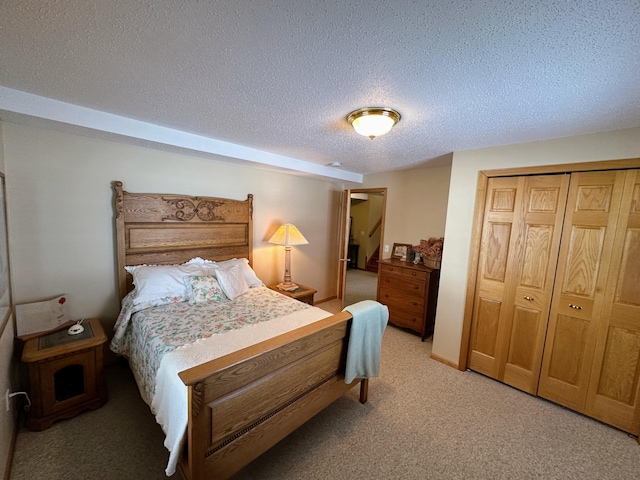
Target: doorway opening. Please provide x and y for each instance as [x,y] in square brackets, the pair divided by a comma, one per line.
[362,237]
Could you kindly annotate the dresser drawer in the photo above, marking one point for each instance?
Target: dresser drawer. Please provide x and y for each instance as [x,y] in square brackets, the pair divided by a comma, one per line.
[407,300]
[404,318]
[402,284]
[393,271]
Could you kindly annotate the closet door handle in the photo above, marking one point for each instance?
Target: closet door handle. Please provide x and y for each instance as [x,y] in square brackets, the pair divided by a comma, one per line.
[528,298]
[577,307]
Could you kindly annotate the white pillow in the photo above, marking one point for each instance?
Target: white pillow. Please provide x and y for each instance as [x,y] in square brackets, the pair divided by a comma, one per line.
[232,282]
[155,282]
[247,272]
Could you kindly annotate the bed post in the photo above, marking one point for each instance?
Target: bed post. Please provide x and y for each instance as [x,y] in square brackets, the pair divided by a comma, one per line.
[250,229]
[364,390]
[120,241]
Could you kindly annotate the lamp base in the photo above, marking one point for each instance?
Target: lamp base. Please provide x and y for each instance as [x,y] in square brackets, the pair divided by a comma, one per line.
[288,287]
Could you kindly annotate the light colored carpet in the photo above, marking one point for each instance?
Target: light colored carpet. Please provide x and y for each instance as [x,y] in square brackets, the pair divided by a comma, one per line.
[121,440]
[424,420]
[361,285]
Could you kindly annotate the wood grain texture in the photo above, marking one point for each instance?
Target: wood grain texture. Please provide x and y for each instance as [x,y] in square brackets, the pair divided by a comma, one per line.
[410,292]
[242,404]
[49,386]
[612,371]
[517,264]
[593,207]
[472,272]
[613,395]
[255,397]
[160,229]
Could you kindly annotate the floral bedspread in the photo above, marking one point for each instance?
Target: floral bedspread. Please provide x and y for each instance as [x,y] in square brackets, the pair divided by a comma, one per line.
[145,336]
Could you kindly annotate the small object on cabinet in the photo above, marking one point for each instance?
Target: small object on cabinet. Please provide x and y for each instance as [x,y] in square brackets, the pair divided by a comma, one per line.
[65,373]
[302,293]
[76,328]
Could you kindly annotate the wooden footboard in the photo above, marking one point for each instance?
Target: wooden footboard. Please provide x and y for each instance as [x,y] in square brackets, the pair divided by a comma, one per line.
[242,404]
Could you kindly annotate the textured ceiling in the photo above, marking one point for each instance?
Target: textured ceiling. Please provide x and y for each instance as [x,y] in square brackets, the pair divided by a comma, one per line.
[281,76]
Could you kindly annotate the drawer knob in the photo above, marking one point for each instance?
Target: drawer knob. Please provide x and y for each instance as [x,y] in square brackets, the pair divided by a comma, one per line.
[528,298]
[577,307]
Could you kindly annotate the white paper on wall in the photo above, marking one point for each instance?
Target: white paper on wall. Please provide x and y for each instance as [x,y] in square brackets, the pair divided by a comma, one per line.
[40,316]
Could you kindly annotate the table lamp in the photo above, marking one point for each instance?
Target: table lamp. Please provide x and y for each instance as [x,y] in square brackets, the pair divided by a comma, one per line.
[287,235]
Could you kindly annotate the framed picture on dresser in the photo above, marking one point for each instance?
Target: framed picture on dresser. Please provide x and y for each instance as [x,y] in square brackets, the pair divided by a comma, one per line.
[400,250]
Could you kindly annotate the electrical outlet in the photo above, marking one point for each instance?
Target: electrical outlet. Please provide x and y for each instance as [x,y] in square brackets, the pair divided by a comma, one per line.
[386,249]
[8,400]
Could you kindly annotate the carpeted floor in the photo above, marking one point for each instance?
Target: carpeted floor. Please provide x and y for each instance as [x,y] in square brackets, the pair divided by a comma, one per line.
[361,285]
[424,420]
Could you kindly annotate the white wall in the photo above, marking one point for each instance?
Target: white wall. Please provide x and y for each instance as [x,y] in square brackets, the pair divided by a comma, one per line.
[61,232]
[464,173]
[416,203]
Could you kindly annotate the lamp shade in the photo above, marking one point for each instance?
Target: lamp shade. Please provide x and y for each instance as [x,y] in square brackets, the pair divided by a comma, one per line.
[288,234]
[373,122]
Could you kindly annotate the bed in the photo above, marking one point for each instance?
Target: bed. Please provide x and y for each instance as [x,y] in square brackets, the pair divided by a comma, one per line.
[240,404]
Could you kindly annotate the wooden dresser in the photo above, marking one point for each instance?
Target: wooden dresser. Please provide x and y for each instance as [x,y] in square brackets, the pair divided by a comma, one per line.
[410,291]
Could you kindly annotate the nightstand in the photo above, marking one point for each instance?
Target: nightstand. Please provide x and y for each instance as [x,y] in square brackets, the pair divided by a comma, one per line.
[65,373]
[302,293]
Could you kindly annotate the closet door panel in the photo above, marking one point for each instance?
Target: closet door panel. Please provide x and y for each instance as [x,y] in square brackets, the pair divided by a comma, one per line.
[614,389]
[526,323]
[570,341]
[494,286]
[543,205]
[578,298]
[520,241]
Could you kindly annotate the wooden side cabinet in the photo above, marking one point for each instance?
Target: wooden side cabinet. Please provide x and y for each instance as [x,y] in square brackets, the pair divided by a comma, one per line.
[410,291]
[302,293]
[65,374]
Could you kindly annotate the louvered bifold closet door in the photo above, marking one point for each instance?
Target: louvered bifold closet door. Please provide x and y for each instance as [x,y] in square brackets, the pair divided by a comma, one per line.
[520,240]
[614,387]
[579,293]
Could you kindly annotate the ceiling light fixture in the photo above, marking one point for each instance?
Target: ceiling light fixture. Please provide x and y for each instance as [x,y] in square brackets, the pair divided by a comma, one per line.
[373,121]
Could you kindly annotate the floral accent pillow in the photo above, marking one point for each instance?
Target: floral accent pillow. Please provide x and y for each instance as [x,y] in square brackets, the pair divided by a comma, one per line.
[204,289]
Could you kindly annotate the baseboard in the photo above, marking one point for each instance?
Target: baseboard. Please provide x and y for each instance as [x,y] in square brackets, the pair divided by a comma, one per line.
[440,359]
[316,302]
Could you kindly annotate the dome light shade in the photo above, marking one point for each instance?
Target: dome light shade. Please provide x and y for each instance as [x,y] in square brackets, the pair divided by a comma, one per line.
[373,121]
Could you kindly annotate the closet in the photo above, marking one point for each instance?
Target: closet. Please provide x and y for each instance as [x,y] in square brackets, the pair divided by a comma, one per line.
[556,310]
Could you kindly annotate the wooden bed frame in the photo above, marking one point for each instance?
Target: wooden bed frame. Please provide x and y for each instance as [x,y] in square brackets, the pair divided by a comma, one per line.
[241,404]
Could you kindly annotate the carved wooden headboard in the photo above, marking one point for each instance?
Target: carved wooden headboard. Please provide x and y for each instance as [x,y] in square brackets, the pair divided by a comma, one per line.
[162,229]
